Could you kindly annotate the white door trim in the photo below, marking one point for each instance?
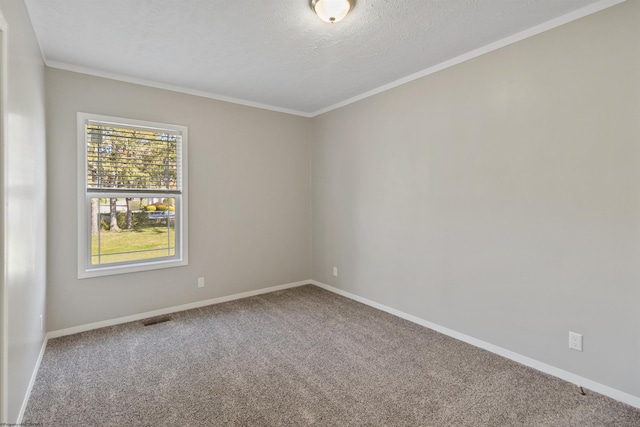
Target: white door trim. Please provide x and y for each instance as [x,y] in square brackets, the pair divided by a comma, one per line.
[3,161]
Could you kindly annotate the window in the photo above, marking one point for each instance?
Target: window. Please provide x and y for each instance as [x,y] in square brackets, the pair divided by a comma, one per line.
[132,195]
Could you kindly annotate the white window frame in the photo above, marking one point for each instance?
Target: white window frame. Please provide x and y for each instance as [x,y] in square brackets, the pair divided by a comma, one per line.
[85,268]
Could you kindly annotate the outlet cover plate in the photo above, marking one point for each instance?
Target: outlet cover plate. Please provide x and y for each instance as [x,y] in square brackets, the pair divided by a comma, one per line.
[575,341]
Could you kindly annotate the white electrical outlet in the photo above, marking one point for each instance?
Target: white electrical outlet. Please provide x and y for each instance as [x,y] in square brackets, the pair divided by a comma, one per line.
[575,341]
[201,282]
[335,271]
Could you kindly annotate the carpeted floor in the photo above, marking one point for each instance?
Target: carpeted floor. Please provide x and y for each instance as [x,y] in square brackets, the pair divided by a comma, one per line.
[302,356]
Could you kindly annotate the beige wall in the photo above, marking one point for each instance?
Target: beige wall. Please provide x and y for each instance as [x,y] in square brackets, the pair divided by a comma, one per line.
[249,216]
[25,201]
[499,198]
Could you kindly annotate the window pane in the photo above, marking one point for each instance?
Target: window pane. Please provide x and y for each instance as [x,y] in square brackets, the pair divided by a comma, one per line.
[132,229]
[131,158]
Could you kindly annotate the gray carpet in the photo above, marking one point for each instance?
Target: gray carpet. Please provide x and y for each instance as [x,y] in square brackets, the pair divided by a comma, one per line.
[302,356]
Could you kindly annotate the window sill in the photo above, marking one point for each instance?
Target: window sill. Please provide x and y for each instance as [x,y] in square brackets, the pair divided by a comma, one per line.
[130,268]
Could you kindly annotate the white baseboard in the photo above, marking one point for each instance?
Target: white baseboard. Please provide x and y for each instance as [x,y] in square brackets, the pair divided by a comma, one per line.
[527,361]
[135,317]
[32,381]
[613,393]
[168,310]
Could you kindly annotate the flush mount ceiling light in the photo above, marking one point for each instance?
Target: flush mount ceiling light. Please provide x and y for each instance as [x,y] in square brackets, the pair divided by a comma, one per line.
[331,10]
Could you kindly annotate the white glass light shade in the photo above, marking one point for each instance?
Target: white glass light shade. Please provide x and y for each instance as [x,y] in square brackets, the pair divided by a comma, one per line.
[331,10]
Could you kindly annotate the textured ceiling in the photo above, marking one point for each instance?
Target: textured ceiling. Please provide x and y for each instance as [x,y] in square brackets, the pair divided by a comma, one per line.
[277,53]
